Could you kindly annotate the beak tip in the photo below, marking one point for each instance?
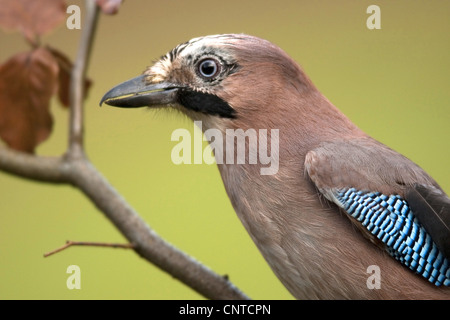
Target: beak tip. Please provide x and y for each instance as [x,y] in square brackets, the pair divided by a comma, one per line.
[136,93]
[104,98]
[110,94]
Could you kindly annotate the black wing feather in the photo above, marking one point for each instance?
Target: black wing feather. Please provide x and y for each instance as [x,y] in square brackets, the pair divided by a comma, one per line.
[432,207]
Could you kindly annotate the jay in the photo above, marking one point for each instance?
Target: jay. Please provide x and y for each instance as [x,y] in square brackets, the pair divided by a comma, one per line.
[340,201]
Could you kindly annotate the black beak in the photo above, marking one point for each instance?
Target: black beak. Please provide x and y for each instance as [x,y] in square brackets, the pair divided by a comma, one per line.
[137,93]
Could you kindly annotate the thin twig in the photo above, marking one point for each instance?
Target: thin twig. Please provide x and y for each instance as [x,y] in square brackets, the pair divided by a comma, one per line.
[70,243]
[76,94]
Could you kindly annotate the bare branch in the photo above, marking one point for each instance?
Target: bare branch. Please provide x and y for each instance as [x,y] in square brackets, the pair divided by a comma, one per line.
[80,173]
[44,169]
[76,127]
[146,241]
[70,243]
[75,169]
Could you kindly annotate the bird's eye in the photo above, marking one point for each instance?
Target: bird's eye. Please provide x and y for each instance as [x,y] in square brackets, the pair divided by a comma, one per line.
[208,68]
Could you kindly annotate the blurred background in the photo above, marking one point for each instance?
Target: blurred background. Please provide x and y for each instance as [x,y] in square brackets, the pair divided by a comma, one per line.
[393,83]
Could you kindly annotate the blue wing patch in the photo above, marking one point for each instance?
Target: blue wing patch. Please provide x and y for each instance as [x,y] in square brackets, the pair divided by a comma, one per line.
[390,219]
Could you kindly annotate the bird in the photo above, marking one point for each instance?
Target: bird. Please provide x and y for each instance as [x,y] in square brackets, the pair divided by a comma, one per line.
[340,202]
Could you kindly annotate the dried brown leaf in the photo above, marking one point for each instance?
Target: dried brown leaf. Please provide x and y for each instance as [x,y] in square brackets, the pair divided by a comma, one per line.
[27,82]
[31,17]
[109,6]
[65,69]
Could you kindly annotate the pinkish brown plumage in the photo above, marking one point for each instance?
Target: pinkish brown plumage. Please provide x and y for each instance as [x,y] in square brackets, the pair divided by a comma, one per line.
[299,217]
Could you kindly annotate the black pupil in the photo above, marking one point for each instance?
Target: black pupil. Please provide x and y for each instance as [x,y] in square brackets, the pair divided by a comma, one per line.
[208,68]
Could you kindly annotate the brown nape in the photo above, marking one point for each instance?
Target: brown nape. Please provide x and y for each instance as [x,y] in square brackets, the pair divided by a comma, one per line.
[272,91]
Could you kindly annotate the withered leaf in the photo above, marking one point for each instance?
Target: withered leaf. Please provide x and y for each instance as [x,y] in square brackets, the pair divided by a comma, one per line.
[31,17]
[27,82]
[65,68]
[109,6]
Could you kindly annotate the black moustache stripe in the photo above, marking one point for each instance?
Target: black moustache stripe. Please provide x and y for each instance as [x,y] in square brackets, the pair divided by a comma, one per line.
[205,103]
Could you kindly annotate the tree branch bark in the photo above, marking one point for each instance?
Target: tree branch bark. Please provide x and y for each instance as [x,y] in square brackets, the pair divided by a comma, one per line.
[74,168]
[76,126]
[33,167]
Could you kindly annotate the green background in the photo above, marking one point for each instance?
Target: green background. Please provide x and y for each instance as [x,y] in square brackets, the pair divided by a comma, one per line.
[393,82]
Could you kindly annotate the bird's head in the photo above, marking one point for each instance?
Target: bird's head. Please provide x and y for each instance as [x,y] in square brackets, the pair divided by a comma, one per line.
[233,78]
